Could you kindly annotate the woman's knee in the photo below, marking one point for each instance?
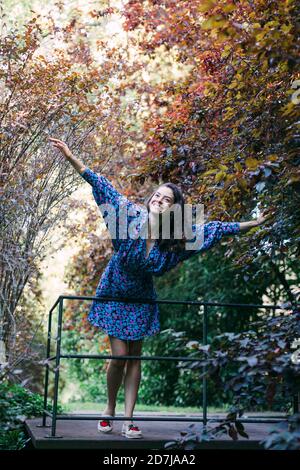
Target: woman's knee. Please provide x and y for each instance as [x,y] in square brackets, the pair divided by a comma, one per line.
[118,363]
[118,348]
[135,349]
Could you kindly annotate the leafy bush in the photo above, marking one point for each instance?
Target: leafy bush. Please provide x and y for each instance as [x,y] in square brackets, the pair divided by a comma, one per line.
[258,364]
[285,436]
[259,367]
[17,404]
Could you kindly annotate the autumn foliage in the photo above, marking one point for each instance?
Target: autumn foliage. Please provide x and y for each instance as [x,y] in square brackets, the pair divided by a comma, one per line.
[227,132]
[46,89]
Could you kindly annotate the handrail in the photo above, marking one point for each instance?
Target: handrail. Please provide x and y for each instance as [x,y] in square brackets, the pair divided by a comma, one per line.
[162,301]
[58,356]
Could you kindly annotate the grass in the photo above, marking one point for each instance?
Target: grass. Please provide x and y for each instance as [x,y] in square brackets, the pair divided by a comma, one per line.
[72,407]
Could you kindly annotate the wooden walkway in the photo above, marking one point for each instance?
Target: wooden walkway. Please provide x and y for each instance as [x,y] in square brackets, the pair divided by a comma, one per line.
[83,434]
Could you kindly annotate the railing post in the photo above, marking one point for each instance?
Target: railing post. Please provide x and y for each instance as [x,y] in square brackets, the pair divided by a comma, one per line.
[296,408]
[47,368]
[204,382]
[57,365]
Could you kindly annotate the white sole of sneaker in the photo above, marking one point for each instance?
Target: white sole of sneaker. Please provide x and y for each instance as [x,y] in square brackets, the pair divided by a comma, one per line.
[104,432]
[131,436]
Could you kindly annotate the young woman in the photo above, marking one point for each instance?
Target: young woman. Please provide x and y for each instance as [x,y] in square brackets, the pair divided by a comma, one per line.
[130,272]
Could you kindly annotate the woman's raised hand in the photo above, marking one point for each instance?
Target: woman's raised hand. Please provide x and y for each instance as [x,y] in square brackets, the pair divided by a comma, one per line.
[60,145]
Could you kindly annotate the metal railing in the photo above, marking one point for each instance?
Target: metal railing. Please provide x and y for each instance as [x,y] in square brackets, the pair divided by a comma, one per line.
[59,355]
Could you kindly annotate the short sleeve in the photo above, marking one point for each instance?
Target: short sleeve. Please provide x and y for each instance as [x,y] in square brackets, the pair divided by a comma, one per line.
[115,208]
[207,235]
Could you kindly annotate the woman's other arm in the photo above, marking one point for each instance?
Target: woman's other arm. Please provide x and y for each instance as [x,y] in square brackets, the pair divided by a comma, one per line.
[245,226]
[211,232]
[60,145]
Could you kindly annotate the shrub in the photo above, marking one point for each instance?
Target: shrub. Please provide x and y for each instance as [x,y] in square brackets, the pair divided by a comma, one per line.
[16,405]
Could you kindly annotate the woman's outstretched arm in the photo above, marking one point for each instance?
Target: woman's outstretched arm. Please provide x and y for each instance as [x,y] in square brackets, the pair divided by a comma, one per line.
[103,191]
[245,226]
[107,197]
[60,145]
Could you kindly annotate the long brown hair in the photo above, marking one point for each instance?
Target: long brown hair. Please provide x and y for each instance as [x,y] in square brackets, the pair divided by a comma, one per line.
[172,244]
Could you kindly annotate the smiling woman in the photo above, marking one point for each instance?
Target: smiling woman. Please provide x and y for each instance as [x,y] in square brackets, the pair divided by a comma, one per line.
[167,199]
[130,273]
[162,198]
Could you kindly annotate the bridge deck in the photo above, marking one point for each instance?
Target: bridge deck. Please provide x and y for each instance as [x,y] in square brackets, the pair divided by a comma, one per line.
[83,434]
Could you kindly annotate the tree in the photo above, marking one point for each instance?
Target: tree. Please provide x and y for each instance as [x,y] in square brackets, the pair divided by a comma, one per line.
[227,132]
[42,94]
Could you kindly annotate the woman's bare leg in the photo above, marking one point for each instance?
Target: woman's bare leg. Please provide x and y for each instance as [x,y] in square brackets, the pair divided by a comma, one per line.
[115,373]
[132,377]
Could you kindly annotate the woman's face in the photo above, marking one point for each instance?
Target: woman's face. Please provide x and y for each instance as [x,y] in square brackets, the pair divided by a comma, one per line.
[161,200]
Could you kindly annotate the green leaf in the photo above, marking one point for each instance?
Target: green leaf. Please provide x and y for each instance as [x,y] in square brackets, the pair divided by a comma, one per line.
[241,430]
[206,6]
[252,163]
[233,433]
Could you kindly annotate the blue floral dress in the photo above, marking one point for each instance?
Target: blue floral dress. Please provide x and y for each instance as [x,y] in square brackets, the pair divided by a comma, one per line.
[129,273]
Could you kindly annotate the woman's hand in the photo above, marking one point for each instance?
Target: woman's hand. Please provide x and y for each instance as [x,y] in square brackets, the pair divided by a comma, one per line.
[245,226]
[263,217]
[60,145]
